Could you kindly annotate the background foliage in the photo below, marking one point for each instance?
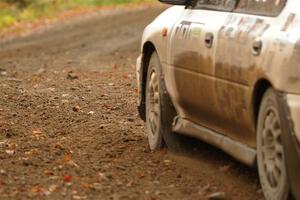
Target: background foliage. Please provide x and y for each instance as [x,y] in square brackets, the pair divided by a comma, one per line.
[12,11]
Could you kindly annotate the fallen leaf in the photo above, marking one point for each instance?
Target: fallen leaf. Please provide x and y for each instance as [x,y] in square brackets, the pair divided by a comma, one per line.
[48,173]
[72,76]
[10,152]
[58,146]
[67,178]
[53,188]
[217,196]
[76,108]
[102,177]
[87,186]
[34,191]
[91,112]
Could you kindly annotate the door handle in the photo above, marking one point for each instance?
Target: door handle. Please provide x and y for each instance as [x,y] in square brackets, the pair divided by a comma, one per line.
[257,47]
[209,40]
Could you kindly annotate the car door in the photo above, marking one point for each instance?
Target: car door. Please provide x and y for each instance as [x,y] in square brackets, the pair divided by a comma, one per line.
[244,46]
[191,66]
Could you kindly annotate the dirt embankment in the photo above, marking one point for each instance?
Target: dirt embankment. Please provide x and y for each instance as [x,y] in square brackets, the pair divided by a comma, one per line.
[69,127]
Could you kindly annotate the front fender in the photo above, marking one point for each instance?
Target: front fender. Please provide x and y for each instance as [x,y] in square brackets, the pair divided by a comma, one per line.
[157,35]
[154,32]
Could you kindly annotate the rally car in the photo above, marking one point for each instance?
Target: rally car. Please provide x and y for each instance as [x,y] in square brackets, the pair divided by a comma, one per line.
[227,72]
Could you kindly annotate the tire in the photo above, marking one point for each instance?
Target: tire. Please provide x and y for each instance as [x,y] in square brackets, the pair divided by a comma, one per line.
[270,152]
[160,111]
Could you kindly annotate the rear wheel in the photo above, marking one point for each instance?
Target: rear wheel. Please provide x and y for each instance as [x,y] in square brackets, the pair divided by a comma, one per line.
[270,153]
[159,110]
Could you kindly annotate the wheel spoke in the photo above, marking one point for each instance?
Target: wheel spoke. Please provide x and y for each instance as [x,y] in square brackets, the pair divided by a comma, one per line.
[278,148]
[277,134]
[278,162]
[156,110]
[156,97]
[154,103]
[268,122]
[273,178]
[272,117]
[153,126]
[152,79]
[151,116]
[267,167]
[264,136]
[277,174]
[155,84]
[269,177]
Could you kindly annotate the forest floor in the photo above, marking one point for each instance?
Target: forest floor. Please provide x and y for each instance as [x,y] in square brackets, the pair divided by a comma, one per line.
[69,127]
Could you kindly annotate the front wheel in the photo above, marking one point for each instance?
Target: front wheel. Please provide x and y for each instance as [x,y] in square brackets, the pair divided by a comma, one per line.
[160,111]
[270,151]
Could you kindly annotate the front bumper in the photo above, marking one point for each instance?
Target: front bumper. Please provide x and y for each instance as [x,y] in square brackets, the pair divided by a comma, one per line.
[290,121]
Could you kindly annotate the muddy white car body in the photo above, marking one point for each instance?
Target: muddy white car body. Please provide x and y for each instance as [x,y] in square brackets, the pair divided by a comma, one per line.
[217,62]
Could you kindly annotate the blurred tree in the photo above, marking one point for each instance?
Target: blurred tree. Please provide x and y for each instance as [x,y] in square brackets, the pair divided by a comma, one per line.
[20,3]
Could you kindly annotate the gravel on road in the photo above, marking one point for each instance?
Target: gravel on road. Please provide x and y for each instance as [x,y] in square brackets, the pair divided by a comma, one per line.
[69,127]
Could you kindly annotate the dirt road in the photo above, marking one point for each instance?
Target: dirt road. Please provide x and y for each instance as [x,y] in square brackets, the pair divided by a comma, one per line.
[69,127]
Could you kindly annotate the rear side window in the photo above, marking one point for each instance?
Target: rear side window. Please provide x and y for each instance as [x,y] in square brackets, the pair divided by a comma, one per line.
[261,7]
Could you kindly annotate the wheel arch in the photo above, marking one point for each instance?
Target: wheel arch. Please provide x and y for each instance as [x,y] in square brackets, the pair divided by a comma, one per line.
[260,89]
[147,51]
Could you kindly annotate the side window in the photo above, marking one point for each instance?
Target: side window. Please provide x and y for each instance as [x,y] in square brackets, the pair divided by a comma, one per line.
[216,4]
[261,7]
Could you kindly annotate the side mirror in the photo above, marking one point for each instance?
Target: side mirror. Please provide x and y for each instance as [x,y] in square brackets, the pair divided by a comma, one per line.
[175,2]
